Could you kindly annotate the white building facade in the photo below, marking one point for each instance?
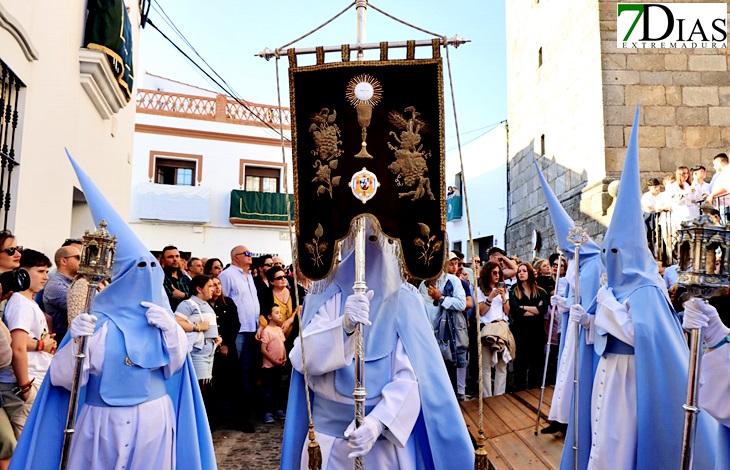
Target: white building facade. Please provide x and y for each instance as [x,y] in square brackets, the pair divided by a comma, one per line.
[485,175]
[208,172]
[57,93]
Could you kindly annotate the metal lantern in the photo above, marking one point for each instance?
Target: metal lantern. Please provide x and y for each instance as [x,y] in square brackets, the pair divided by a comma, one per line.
[97,257]
[704,263]
[97,254]
[704,257]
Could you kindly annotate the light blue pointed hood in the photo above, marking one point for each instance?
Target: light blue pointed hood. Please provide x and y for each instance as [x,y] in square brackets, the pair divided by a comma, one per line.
[629,263]
[562,223]
[136,277]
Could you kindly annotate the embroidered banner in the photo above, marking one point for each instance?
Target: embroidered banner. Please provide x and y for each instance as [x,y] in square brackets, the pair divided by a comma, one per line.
[367,138]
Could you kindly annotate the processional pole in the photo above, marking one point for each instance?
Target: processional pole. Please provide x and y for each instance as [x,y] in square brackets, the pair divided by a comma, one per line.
[359,394]
[550,338]
[97,257]
[699,242]
[577,236]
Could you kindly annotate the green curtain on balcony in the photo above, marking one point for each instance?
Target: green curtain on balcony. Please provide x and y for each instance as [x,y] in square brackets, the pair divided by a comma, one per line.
[109,30]
[453,208]
[252,206]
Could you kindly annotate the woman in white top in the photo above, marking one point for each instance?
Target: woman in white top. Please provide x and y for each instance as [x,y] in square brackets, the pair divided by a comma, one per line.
[197,318]
[680,192]
[493,307]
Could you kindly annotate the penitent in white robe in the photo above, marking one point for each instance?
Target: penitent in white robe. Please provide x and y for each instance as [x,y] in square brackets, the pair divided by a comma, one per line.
[614,426]
[327,349]
[561,405]
[137,437]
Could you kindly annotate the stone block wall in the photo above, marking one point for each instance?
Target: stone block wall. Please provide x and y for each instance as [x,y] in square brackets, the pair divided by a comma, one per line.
[684,95]
[583,97]
[563,104]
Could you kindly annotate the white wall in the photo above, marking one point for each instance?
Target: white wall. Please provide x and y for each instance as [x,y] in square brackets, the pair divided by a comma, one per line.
[221,162]
[485,168]
[55,113]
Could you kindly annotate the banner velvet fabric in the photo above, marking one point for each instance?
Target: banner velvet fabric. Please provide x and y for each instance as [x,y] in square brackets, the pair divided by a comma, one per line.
[367,139]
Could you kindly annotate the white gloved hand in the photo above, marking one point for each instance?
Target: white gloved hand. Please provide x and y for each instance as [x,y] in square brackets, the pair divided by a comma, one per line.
[698,314]
[605,294]
[357,310]
[579,315]
[82,325]
[693,316]
[159,317]
[560,302]
[362,439]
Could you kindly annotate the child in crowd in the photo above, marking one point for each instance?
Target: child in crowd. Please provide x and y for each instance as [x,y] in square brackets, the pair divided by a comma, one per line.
[274,352]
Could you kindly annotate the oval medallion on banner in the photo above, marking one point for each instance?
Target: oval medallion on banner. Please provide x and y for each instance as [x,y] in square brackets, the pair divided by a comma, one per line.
[364,184]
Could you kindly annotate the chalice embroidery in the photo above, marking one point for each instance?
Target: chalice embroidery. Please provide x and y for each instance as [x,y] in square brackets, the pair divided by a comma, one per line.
[364,92]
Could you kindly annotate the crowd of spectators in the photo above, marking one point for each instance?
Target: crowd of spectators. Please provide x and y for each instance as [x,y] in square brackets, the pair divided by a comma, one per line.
[508,319]
[685,192]
[240,320]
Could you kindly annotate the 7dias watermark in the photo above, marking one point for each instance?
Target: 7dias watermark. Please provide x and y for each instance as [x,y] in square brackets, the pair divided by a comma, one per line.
[671,25]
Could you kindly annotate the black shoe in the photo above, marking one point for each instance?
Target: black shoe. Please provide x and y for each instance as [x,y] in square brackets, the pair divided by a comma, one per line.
[554,427]
[246,426]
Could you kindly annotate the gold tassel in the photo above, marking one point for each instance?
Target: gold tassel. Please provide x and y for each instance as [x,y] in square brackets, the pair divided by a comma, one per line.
[481,462]
[315,454]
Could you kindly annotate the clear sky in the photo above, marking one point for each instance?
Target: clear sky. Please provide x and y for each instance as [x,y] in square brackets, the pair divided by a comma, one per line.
[228,33]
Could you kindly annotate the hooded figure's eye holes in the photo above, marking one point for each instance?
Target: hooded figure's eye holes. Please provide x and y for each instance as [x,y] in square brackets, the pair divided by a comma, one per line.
[372,238]
[614,250]
[142,264]
[604,250]
[153,264]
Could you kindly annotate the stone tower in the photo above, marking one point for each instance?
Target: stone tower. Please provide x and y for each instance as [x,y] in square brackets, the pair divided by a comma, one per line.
[571,99]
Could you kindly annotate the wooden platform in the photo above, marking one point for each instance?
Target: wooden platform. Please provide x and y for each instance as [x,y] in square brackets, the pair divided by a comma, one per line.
[509,425]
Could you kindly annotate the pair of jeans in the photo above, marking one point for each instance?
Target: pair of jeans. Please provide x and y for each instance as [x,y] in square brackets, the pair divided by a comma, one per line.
[246,345]
[271,385]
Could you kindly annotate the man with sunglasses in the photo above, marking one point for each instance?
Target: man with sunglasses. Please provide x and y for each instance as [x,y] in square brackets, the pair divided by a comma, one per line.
[67,259]
[238,285]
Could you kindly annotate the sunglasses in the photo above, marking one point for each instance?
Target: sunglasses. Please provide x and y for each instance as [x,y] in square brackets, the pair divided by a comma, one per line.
[244,253]
[279,277]
[268,265]
[11,251]
[217,267]
[78,257]
[495,272]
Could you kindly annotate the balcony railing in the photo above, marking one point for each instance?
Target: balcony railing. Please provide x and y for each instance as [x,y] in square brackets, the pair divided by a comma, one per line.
[9,118]
[220,109]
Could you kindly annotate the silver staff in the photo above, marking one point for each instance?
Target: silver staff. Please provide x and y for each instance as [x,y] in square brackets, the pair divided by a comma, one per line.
[699,242]
[97,257]
[360,287]
[577,236]
[550,338]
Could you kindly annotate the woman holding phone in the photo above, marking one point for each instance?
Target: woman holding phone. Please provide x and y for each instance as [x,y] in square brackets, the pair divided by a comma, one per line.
[493,315]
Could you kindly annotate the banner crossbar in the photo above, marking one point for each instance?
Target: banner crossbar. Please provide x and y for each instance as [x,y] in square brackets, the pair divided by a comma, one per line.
[268,54]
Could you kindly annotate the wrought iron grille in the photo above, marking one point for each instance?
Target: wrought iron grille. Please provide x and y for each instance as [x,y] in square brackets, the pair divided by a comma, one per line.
[9,118]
